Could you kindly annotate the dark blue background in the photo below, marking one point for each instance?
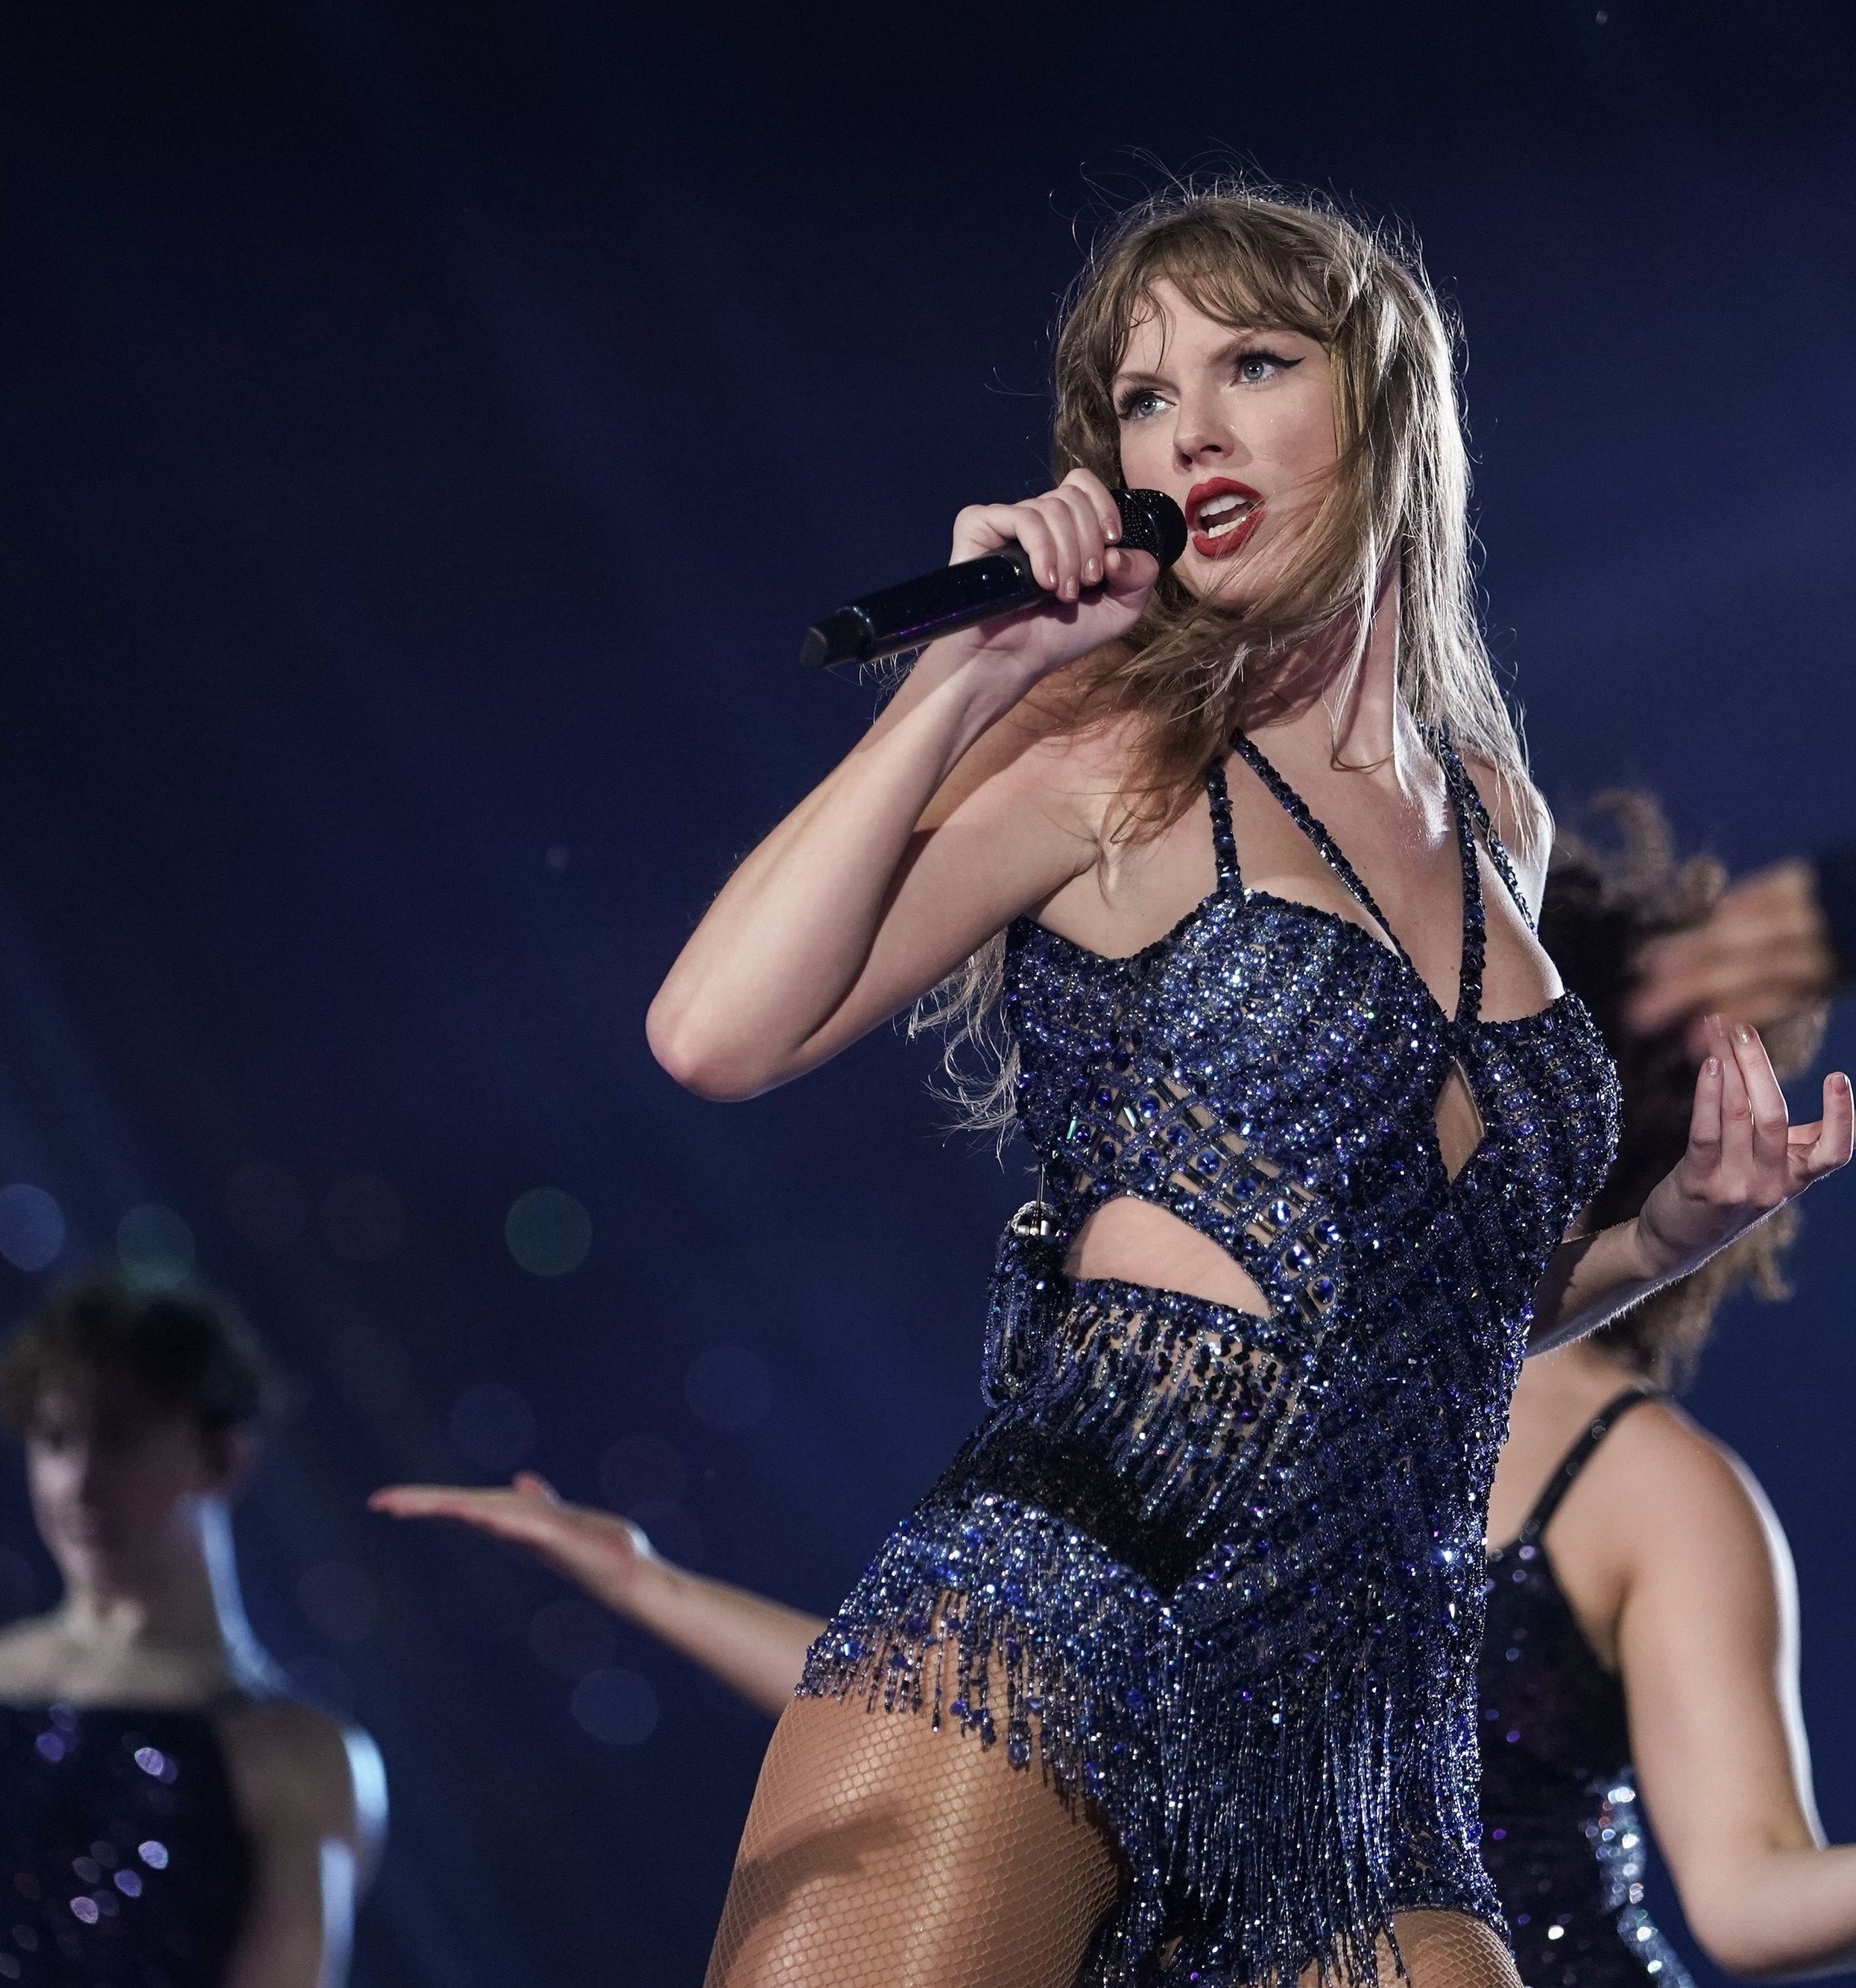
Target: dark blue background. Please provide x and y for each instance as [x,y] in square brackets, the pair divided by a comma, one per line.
[429,426]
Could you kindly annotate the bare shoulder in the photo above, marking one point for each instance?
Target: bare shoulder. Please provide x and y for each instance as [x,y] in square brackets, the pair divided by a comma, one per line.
[1691,1500]
[292,1766]
[1521,818]
[28,1658]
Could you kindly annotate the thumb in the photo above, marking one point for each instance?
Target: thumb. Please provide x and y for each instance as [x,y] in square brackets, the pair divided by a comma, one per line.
[531,1484]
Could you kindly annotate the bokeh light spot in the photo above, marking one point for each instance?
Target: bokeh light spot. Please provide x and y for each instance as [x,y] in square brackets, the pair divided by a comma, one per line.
[31,1226]
[729,1387]
[492,1427]
[616,1706]
[548,1232]
[154,1244]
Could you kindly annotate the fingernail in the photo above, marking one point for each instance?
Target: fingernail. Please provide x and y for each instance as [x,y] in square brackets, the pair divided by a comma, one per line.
[1712,1067]
[1743,1032]
[1093,571]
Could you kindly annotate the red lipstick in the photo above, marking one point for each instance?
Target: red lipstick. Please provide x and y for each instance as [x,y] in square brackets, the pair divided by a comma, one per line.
[1225,499]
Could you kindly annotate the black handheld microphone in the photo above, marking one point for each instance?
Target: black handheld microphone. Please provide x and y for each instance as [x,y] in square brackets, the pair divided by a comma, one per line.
[955,596]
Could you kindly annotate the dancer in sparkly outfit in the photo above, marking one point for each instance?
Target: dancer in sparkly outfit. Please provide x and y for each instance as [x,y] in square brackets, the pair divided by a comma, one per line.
[1640,1642]
[169,1817]
[1171,1675]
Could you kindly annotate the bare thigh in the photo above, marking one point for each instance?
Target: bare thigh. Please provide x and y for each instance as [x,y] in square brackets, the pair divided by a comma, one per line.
[879,1853]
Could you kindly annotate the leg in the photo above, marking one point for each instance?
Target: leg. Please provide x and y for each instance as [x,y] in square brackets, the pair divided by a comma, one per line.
[1450,1950]
[881,1853]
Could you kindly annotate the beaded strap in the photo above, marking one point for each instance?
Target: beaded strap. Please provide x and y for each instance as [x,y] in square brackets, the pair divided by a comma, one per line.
[1224,842]
[1469,978]
[1485,827]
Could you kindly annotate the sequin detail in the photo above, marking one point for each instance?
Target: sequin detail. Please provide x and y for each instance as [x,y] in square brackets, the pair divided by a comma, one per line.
[122,1857]
[1564,1840]
[1221,1574]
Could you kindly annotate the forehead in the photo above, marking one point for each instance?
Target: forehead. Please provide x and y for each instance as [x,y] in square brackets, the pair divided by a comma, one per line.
[101,1405]
[1167,323]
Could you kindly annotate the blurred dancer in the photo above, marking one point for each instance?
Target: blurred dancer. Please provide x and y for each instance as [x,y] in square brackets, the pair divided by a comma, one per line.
[169,1817]
[1651,1610]
[1776,944]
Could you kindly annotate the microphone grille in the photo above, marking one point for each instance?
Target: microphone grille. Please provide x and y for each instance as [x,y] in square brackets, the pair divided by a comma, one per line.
[1151,522]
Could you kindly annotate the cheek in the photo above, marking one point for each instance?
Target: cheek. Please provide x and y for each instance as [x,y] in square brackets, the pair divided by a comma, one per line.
[1302,439]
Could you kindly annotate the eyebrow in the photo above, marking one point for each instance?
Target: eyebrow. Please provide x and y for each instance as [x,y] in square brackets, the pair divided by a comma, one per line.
[1229,350]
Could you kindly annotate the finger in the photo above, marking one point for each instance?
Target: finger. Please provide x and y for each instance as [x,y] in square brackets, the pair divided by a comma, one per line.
[1100,500]
[1737,1108]
[1092,539]
[531,1484]
[1836,1133]
[1765,1100]
[1127,573]
[1704,1113]
[1066,539]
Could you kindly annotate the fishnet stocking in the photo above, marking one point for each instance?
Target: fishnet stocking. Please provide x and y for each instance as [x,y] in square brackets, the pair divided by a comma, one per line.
[1447,1950]
[879,1853]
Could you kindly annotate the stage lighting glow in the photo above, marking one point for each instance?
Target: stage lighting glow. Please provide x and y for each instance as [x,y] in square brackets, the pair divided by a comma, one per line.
[729,1387]
[617,1707]
[492,1427]
[548,1232]
[155,1244]
[31,1226]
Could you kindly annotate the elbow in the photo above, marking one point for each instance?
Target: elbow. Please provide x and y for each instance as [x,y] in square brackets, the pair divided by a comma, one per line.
[1750,1953]
[698,1059]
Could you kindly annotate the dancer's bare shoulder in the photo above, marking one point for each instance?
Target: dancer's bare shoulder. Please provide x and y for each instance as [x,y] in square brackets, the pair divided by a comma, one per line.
[299,1772]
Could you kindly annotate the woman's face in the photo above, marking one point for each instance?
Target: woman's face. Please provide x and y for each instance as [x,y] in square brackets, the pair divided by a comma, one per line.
[116,1482]
[1236,427]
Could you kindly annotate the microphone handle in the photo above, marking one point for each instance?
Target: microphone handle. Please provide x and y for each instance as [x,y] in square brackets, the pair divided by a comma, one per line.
[915,612]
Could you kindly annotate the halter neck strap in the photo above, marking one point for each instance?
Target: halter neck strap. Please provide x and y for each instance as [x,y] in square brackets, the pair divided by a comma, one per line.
[1224,842]
[1469,973]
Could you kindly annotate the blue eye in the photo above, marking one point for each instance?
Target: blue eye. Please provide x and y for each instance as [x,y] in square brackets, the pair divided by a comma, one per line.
[1140,405]
[1254,367]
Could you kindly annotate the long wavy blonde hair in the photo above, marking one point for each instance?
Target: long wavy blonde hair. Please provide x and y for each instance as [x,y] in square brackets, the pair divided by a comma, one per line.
[1192,670]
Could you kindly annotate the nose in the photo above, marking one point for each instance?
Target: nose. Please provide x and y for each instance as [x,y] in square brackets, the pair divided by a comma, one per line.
[1202,435]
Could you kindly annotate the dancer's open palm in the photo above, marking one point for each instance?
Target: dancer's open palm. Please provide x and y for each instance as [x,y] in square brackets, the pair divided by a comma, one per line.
[1745,1157]
[597,1551]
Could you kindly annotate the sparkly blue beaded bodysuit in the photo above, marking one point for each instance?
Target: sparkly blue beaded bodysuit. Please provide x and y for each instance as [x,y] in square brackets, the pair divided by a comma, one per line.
[1222,1574]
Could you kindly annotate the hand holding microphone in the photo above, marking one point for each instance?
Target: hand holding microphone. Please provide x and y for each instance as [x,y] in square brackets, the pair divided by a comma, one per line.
[1081,547]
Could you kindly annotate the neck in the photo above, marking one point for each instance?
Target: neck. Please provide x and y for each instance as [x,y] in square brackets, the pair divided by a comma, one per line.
[184,1600]
[1345,698]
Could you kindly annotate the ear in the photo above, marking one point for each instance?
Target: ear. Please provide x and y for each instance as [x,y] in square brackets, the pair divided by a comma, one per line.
[230,1456]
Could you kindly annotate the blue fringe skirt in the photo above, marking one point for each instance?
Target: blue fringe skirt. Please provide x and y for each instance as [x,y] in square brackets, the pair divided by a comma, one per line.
[1146,1574]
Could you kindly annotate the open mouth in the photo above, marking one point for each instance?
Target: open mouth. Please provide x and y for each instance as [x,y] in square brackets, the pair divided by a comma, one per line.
[1223,515]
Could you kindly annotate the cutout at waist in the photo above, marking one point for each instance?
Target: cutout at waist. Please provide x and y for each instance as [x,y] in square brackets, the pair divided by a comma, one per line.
[1130,1241]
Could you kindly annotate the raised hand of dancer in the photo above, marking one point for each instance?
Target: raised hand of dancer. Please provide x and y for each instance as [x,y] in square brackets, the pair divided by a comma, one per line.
[1764,953]
[963,804]
[1744,1159]
[755,1646]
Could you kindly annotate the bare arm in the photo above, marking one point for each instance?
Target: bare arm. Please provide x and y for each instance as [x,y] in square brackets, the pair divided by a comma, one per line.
[312,1797]
[755,1646]
[1708,1652]
[1745,1159]
[952,817]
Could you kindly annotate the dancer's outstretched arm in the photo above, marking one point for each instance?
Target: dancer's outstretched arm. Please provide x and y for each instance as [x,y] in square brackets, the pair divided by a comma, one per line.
[1745,1159]
[755,1646]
